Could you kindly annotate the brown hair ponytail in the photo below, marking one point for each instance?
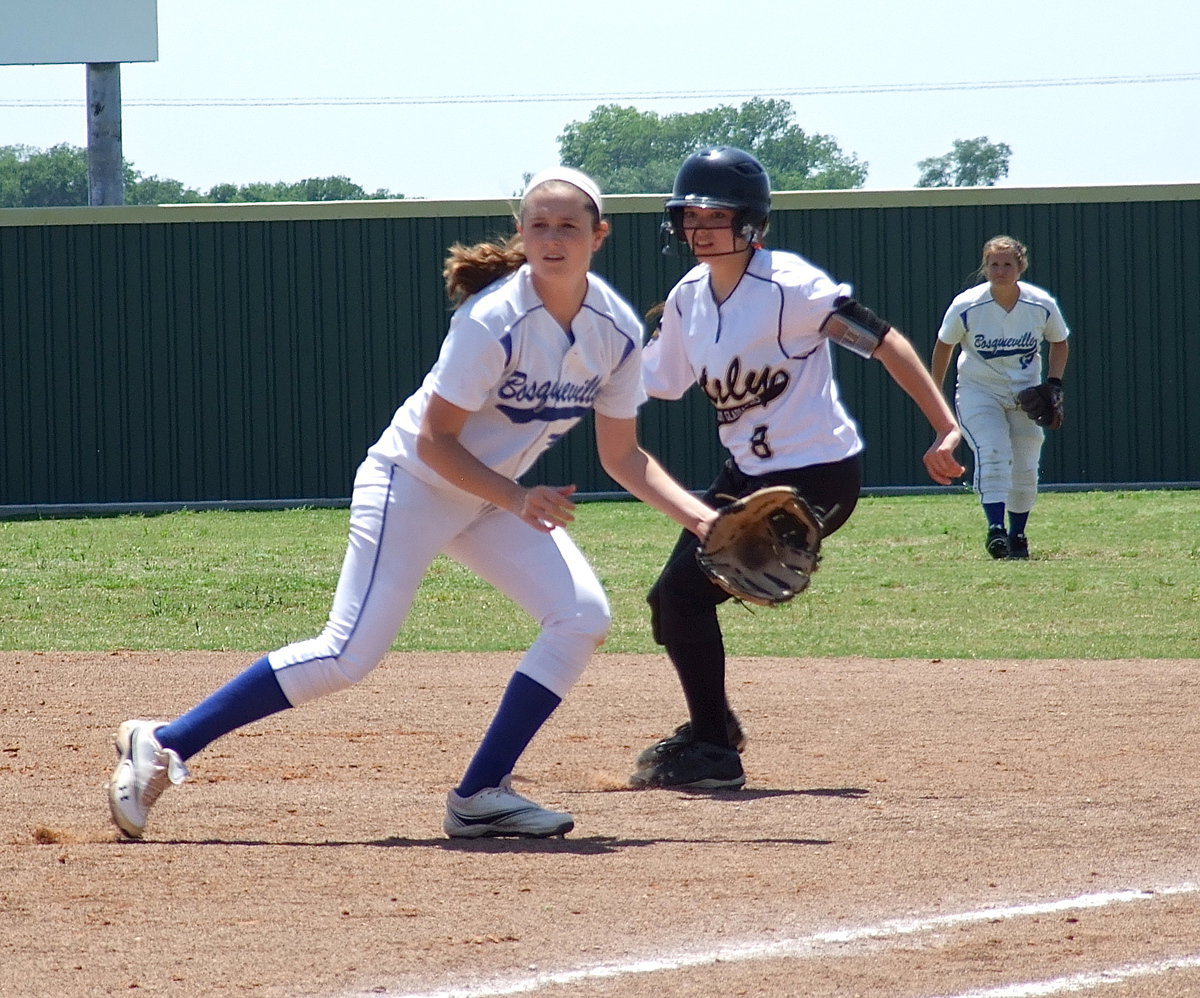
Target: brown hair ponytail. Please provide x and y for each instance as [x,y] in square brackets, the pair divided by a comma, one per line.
[472,268]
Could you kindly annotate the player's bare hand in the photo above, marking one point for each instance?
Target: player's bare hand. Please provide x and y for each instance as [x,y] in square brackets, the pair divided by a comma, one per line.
[940,462]
[548,506]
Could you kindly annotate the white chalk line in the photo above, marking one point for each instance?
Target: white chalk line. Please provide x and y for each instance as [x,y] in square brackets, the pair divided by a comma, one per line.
[819,943]
[1086,981]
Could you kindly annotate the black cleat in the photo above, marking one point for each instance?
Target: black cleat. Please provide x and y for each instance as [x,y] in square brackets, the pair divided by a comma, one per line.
[997,542]
[682,736]
[695,766]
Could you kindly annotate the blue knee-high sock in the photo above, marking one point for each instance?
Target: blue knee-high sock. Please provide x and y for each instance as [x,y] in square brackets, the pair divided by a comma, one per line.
[994,511]
[253,695]
[1016,522]
[524,708]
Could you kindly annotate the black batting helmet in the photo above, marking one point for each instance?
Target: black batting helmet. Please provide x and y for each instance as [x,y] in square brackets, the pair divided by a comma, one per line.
[722,177]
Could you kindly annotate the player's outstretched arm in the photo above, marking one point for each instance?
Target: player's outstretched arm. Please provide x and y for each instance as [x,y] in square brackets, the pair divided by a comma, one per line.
[900,358]
[623,457]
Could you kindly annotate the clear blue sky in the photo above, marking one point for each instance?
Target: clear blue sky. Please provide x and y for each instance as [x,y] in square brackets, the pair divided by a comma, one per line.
[867,76]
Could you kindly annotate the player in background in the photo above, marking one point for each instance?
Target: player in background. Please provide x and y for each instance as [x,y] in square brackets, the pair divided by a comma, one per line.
[753,327]
[536,342]
[1000,326]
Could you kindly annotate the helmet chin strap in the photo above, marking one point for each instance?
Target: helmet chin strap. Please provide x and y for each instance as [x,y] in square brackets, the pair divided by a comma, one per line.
[709,256]
[751,234]
[748,232]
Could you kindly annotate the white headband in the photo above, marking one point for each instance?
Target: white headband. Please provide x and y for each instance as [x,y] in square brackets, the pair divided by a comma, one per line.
[572,177]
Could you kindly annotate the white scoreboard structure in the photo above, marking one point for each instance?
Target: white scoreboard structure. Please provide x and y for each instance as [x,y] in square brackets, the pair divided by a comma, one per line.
[43,32]
[100,34]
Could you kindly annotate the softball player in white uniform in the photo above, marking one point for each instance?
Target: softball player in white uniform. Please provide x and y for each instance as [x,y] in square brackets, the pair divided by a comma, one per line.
[1000,327]
[753,329]
[527,355]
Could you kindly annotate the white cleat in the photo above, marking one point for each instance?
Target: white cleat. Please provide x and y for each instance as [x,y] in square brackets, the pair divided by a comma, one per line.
[142,774]
[501,811]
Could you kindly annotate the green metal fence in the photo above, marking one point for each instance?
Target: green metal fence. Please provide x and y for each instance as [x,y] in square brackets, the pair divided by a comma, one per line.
[233,353]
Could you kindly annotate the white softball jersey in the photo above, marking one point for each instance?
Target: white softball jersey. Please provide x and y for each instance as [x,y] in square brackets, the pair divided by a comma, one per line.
[1001,349]
[761,359]
[1000,355]
[525,381]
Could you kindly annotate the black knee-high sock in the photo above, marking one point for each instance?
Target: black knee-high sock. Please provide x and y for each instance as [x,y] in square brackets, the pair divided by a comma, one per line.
[701,669]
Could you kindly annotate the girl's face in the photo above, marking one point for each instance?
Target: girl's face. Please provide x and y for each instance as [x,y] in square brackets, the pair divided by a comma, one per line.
[709,232]
[560,232]
[1003,268]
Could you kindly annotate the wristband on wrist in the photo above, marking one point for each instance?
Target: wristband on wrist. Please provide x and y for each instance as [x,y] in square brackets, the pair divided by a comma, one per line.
[1054,381]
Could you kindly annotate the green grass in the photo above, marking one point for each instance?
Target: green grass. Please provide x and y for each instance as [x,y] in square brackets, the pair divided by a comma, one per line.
[1114,575]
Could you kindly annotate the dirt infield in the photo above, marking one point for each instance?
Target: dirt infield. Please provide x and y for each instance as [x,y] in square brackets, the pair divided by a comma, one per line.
[909,829]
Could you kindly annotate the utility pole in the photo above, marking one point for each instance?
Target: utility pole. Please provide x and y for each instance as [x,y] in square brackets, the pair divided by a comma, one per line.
[106,163]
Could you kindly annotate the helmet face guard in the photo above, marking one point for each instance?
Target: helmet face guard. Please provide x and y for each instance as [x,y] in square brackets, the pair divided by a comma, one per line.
[745,224]
[720,177]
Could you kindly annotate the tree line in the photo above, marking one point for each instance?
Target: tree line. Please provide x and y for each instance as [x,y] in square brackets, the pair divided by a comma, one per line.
[58,177]
[627,151]
[636,152]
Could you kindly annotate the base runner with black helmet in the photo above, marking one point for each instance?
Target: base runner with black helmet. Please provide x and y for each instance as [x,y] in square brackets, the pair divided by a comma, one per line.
[753,328]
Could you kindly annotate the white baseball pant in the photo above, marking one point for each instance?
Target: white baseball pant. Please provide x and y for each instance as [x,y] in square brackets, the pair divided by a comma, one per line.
[1007,445]
[398,525]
